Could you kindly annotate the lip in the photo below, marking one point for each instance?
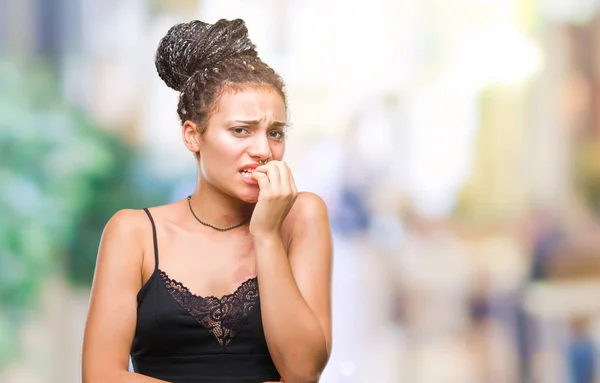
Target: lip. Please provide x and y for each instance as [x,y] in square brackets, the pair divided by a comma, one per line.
[249,181]
[249,167]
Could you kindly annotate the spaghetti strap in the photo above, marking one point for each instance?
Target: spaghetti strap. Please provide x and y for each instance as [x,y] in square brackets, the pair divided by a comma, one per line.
[154,238]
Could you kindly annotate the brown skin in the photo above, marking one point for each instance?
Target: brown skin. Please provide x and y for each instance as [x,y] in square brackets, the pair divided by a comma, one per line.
[287,244]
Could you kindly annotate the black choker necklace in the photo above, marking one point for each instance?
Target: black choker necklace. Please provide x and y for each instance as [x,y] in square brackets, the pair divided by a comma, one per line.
[189,198]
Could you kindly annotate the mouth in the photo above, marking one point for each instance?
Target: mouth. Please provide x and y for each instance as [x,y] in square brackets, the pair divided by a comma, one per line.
[247,176]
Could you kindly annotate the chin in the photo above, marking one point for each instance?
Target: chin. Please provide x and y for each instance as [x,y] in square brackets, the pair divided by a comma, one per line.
[249,196]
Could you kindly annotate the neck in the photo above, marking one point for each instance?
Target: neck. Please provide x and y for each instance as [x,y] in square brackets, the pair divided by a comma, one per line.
[216,208]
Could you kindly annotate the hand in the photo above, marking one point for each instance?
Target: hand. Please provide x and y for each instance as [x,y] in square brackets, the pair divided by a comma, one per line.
[276,197]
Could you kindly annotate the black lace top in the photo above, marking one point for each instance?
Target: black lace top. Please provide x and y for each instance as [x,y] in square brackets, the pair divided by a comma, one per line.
[181,337]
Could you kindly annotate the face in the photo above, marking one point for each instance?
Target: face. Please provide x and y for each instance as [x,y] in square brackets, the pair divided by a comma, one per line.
[247,127]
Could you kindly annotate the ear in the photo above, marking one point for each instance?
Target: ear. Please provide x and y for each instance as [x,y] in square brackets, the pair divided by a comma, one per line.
[191,136]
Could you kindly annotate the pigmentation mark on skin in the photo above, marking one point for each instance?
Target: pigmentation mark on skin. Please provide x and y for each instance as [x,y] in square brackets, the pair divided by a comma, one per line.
[229,220]
[247,249]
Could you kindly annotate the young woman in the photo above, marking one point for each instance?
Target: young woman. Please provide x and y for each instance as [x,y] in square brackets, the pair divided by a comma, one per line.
[231,284]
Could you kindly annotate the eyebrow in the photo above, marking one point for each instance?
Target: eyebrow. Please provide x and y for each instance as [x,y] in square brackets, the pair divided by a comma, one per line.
[256,122]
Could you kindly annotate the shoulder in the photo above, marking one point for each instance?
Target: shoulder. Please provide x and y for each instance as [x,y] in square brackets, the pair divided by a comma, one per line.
[309,210]
[123,242]
[137,221]
[127,229]
[310,203]
[126,222]
[310,240]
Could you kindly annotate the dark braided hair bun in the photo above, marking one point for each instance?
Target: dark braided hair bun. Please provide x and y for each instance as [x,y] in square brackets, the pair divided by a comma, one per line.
[201,61]
[195,46]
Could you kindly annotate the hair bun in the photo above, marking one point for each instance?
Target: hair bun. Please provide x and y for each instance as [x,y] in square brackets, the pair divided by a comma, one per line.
[190,47]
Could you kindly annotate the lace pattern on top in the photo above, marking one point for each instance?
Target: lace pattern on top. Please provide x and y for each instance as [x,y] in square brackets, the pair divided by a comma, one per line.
[224,316]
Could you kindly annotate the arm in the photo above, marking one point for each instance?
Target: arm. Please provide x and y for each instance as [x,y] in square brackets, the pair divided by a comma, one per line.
[112,314]
[295,291]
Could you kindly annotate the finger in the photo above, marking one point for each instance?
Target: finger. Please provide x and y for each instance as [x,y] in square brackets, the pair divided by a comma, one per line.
[292,182]
[284,174]
[262,168]
[274,177]
[262,179]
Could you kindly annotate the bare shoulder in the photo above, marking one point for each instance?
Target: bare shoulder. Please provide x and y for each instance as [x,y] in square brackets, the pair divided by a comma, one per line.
[308,217]
[121,253]
[136,222]
[131,229]
[308,206]
[124,233]
[125,223]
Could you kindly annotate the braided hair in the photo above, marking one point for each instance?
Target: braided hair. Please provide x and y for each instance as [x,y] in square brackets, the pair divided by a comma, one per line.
[201,60]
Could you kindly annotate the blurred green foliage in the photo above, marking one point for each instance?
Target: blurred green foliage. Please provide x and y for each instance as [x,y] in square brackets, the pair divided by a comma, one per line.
[61,179]
[126,185]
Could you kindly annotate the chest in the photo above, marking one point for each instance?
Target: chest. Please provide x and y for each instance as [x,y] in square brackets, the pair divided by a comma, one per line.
[209,266]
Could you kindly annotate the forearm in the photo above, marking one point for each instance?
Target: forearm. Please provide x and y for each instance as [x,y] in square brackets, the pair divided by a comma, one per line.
[295,338]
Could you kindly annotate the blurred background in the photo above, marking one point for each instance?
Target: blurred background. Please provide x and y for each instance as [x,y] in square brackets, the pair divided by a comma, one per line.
[456,143]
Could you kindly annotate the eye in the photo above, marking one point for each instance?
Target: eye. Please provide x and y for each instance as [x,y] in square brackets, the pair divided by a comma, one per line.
[277,134]
[240,131]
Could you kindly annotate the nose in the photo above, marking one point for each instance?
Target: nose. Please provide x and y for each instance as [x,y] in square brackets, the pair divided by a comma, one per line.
[260,149]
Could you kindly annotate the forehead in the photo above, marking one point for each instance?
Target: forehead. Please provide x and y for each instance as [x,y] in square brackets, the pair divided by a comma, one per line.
[252,103]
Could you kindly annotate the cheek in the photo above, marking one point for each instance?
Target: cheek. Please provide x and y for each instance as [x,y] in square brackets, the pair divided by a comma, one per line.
[217,158]
[223,151]
[215,168]
[278,151]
